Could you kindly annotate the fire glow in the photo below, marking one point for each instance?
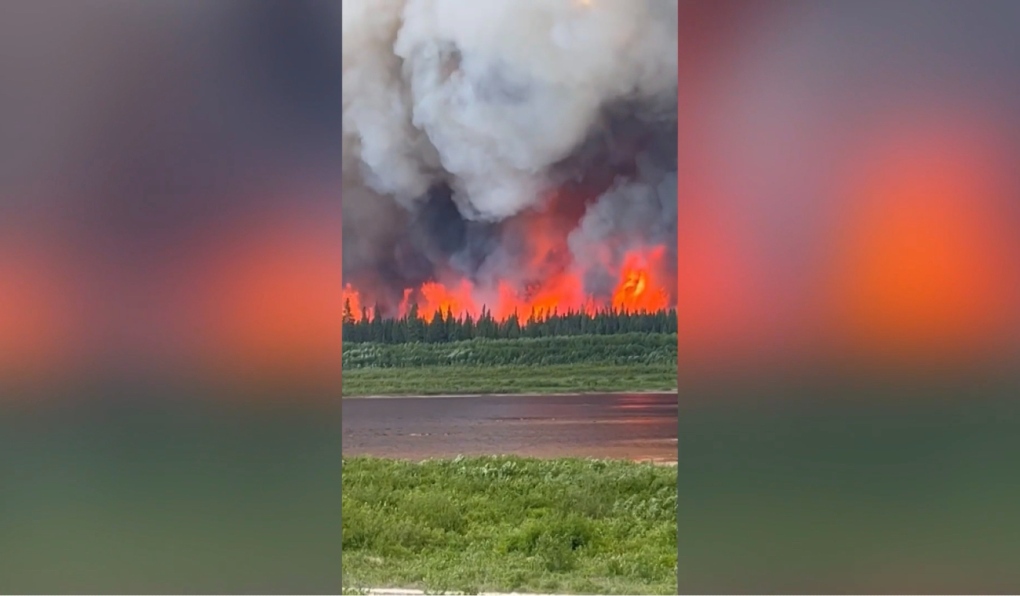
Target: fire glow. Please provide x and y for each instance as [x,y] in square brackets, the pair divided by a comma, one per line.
[643,286]
[534,179]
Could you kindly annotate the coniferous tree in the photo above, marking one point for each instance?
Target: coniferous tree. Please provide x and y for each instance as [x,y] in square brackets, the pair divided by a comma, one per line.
[348,328]
[436,332]
[441,327]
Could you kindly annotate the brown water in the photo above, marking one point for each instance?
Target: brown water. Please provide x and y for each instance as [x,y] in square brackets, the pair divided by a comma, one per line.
[626,426]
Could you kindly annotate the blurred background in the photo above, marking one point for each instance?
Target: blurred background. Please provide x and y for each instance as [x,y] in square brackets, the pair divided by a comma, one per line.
[848,272]
[170,258]
[170,319]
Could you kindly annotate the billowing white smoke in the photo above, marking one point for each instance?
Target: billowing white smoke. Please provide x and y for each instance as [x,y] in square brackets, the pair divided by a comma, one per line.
[644,208]
[486,95]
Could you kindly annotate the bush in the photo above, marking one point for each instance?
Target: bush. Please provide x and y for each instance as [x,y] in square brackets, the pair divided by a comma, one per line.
[622,349]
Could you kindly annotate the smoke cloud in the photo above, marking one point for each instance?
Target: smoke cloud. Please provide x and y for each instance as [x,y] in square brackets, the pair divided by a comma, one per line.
[465,123]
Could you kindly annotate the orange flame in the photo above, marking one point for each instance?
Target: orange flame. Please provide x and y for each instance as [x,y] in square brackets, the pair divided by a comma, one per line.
[642,287]
[352,298]
[436,297]
[637,290]
[547,279]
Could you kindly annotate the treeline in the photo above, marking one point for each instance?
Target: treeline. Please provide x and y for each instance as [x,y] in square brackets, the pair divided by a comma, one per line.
[446,327]
[658,349]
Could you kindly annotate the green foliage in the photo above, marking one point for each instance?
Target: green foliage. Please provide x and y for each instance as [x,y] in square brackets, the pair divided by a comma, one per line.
[440,327]
[553,378]
[591,363]
[623,349]
[508,523]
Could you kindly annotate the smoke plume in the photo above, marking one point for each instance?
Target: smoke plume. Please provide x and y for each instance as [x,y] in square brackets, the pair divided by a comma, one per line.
[507,141]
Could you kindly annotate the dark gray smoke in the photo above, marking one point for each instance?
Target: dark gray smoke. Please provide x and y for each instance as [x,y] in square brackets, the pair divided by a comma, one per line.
[462,121]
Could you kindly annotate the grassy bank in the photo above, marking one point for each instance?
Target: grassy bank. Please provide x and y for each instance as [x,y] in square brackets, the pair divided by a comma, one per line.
[625,362]
[625,348]
[506,523]
[440,380]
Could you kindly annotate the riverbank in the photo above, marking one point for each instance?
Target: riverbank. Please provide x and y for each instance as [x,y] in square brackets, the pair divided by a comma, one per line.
[510,379]
[510,524]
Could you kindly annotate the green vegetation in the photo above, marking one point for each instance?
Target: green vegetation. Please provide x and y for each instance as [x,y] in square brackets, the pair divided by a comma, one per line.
[507,523]
[446,327]
[626,349]
[607,350]
[570,378]
[626,362]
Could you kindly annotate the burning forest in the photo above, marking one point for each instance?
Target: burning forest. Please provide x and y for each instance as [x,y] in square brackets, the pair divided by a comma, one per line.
[510,157]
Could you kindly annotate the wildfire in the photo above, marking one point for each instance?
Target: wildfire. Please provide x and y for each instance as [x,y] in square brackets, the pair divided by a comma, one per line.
[352,300]
[435,297]
[636,291]
[641,287]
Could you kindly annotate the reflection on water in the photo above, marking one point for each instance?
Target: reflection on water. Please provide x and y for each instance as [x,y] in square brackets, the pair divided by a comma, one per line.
[636,426]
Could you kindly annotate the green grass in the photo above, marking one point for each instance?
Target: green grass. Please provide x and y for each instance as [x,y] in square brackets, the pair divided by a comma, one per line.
[562,378]
[625,348]
[507,523]
[588,363]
